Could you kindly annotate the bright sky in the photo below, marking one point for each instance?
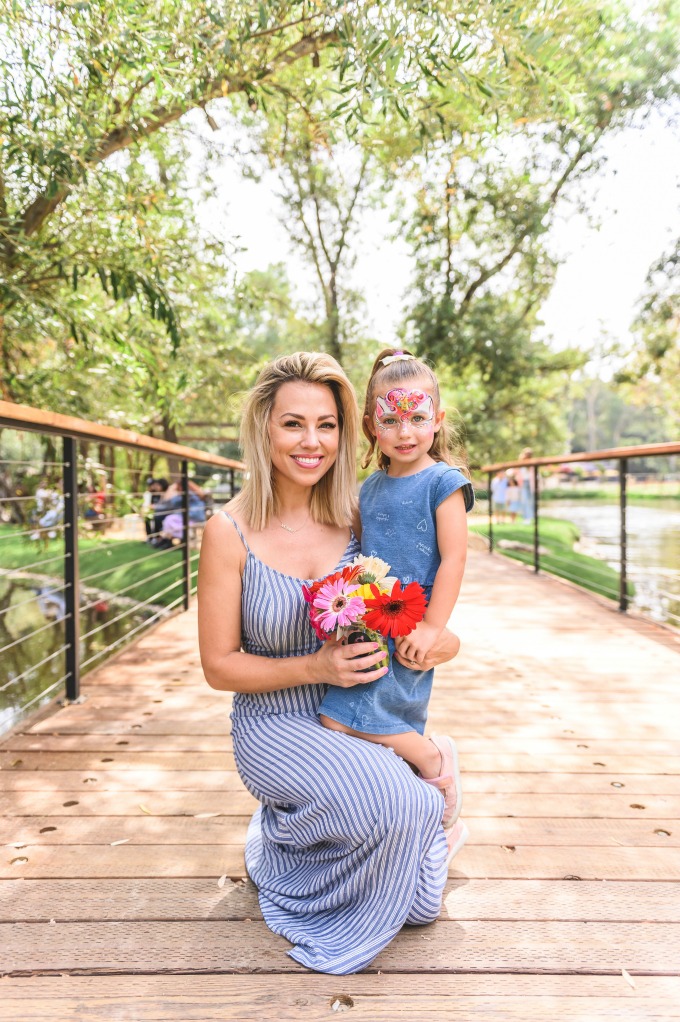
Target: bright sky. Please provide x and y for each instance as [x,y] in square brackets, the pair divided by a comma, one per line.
[635,198]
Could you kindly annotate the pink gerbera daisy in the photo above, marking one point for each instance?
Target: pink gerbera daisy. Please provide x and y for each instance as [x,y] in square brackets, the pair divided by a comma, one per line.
[337,606]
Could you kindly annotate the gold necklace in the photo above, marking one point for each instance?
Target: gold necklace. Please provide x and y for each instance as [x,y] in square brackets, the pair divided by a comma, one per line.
[288,528]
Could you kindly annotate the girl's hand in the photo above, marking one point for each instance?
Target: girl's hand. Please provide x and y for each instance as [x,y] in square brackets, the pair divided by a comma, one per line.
[417,644]
[341,665]
[445,648]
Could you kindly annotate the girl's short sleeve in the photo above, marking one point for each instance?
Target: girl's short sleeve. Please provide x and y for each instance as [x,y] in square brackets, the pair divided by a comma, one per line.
[450,480]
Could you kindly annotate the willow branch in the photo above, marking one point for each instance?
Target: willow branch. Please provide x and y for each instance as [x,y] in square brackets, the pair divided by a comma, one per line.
[35,215]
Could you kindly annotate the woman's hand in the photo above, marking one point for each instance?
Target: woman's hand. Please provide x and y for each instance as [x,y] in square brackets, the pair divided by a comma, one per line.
[344,665]
[445,648]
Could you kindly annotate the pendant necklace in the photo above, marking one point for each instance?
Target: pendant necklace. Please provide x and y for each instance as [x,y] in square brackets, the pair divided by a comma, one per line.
[288,528]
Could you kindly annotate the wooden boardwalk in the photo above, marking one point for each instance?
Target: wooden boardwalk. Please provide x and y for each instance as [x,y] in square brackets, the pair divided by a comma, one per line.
[123,893]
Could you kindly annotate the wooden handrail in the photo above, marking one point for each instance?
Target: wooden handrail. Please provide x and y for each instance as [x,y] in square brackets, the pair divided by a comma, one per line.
[37,419]
[641,451]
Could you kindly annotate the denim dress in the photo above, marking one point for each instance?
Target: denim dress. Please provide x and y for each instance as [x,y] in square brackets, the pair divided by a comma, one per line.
[398,522]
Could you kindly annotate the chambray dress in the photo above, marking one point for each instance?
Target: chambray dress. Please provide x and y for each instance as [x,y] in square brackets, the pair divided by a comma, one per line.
[347,845]
[398,523]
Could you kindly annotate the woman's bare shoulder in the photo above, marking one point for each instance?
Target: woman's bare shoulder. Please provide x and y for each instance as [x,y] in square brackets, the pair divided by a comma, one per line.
[220,537]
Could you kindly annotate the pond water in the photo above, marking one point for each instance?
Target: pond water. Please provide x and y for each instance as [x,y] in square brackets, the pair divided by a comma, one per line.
[653,547]
[32,613]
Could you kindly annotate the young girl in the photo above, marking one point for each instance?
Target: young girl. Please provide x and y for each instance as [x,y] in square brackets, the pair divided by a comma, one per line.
[412,516]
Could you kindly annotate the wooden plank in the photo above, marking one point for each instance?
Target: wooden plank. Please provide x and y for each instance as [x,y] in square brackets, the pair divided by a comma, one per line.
[126,759]
[272,1003]
[144,828]
[121,780]
[141,829]
[189,898]
[118,723]
[488,985]
[585,833]
[617,805]
[227,780]
[220,946]
[383,998]
[483,861]
[118,741]
[138,741]
[128,803]
[198,699]
[86,802]
[559,746]
[122,760]
[495,691]
[481,725]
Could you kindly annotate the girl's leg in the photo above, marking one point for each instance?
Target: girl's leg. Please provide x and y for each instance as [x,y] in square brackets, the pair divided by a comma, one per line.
[421,752]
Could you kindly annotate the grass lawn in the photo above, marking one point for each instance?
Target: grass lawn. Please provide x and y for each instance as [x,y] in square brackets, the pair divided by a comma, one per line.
[611,493]
[112,557]
[558,538]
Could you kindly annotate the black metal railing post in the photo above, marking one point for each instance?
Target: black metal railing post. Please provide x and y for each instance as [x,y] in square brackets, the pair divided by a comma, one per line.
[186,550]
[71,569]
[490,515]
[537,555]
[623,572]
[232,483]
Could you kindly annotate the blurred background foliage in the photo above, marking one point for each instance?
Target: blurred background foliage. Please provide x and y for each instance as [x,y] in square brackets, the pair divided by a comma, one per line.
[467,121]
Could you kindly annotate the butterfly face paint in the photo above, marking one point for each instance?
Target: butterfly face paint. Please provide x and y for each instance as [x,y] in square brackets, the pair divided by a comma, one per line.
[399,407]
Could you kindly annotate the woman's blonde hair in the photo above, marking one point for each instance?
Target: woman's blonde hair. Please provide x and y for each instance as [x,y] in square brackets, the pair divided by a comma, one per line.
[333,498]
[445,447]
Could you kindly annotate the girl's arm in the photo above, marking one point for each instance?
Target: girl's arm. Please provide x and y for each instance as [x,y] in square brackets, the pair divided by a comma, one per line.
[451,521]
[225,666]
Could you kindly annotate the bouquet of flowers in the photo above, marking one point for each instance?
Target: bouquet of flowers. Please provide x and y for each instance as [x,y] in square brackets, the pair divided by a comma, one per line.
[362,603]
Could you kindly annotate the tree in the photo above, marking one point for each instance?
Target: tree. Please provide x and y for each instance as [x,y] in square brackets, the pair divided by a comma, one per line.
[322,202]
[85,82]
[653,366]
[482,214]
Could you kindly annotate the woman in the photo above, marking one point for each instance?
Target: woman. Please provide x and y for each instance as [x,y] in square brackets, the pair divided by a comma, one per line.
[347,845]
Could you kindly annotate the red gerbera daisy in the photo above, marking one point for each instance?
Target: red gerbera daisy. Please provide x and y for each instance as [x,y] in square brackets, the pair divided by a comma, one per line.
[396,613]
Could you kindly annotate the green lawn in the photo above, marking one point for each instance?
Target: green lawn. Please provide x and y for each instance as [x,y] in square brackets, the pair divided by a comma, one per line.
[113,557]
[558,538]
[611,493]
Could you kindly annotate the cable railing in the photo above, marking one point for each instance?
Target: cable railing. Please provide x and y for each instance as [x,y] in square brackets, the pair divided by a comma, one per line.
[96,546]
[609,525]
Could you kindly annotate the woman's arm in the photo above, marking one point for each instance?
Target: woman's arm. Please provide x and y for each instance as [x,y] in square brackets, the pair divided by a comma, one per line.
[225,666]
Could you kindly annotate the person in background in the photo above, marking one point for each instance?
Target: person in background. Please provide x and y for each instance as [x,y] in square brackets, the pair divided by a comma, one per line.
[525,478]
[169,518]
[499,490]
[153,494]
[513,495]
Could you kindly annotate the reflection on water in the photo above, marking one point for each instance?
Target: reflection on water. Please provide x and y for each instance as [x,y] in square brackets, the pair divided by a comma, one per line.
[653,547]
[32,629]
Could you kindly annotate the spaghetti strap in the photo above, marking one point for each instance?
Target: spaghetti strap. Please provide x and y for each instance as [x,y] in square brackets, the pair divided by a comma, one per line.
[241,536]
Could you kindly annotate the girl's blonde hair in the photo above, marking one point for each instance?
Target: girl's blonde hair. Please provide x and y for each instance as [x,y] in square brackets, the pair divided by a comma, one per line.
[444,447]
[333,499]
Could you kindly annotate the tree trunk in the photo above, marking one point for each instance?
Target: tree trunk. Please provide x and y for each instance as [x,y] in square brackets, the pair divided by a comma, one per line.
[170,434]
[333,320]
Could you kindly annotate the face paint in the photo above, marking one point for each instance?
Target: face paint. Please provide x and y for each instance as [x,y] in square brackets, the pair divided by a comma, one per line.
[403,406]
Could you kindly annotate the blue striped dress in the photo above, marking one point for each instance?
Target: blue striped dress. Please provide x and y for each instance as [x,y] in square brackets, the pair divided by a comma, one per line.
[347,845]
